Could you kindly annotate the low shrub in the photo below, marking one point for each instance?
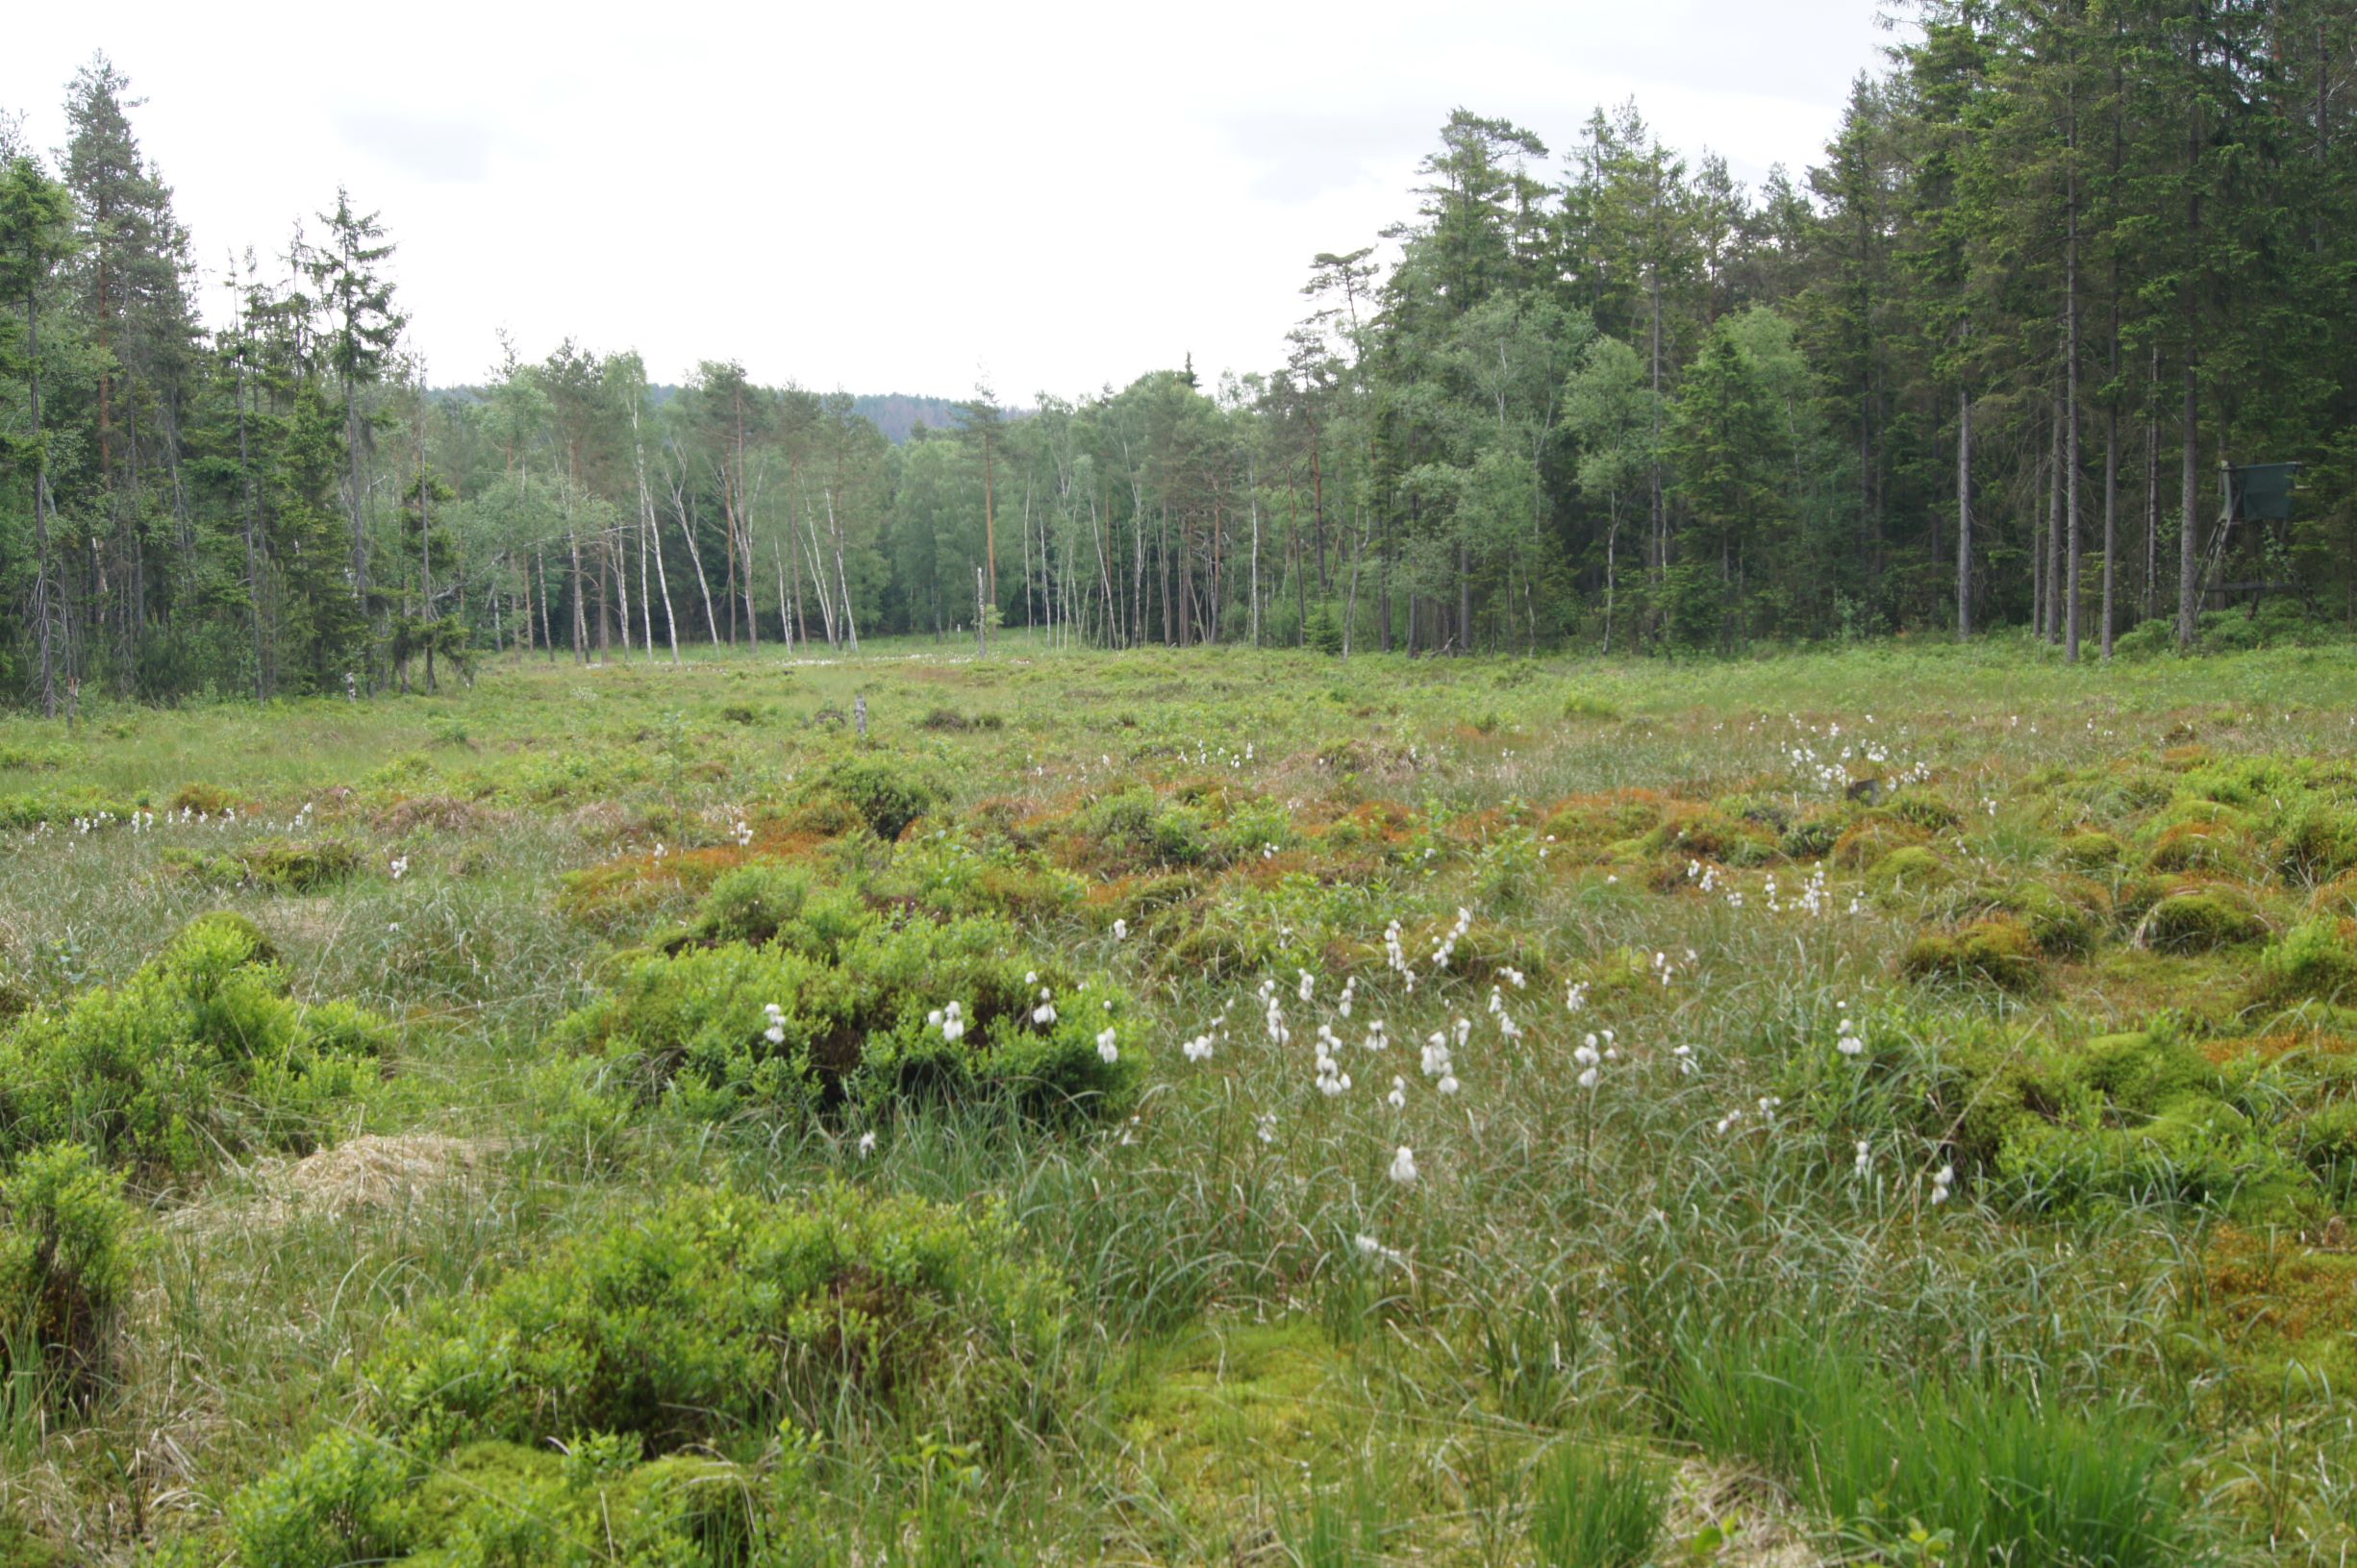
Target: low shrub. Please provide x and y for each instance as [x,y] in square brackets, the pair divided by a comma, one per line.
[23,813]
[946,873]
[654,1390]
[885,793]
[749,904]
[66,1250]
[703,1322]
[200,1052]
[2137,1118]
[856,1001]
[950,719]
[2147,639]
[1136,829]
[344,1500]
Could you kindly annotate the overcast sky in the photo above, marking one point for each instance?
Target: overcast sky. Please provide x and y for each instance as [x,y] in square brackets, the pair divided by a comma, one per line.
[891,197]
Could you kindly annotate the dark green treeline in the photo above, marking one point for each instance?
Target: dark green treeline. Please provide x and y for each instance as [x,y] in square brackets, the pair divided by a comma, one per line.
[1978,368]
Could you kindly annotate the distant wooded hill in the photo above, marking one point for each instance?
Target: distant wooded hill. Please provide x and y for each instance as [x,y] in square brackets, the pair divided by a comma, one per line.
[897,414]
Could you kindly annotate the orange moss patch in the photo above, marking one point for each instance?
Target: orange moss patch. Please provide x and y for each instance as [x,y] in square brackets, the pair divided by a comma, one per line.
[1479,827]
[2274,1047]
[2274,1285]
[630,886]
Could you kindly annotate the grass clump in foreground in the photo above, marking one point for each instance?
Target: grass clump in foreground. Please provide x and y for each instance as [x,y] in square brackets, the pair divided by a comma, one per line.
[1995,1475]
[1599,1507]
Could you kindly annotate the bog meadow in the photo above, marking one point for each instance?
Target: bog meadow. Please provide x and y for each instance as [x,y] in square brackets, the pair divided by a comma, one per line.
[1891,1106]
[1681,890]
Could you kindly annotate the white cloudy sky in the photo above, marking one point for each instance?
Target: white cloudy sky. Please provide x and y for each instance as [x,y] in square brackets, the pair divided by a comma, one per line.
[893,196]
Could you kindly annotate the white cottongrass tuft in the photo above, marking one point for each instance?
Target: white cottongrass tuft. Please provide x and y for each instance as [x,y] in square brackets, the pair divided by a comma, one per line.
[1403,1166]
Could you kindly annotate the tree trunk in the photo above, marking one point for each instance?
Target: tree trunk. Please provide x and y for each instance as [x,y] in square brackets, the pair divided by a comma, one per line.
[1612,549]
[253,532]
[1465,598]
[2189,531]
[647,528]
[425,558]
[2075,551]
[2111,523]
[1252,483]
[41,505]
[580,628]
[842,581]
[1964,516]
[2152,504]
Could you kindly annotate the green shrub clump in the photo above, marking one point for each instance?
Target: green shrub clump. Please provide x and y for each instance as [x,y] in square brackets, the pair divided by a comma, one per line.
[717,1334]
[1136,829]
[882,793]
[65,1255]
[704,1322]
[843,1005]
[201,1051]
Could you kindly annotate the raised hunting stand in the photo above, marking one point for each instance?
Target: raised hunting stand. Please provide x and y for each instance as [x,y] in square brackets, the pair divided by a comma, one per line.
[2253,492]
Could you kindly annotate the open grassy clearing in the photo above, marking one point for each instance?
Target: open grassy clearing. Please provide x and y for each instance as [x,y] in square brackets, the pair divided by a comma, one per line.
[1890,1105]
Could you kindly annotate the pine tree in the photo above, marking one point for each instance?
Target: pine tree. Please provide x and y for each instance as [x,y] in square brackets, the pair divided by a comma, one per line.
[355,300]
